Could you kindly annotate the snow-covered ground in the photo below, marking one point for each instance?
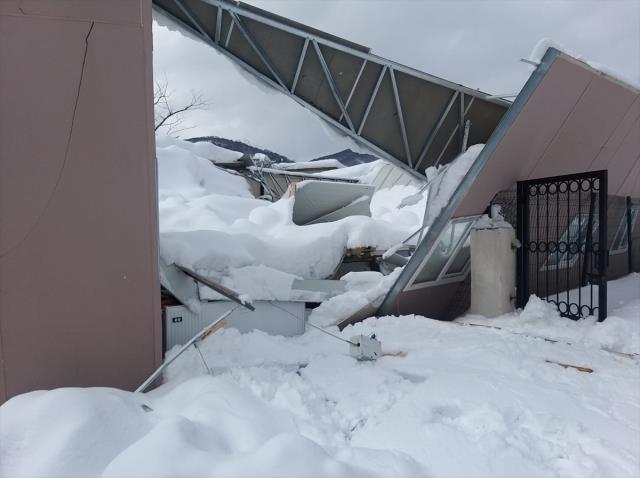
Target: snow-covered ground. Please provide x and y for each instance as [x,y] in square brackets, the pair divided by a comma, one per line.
[450,400]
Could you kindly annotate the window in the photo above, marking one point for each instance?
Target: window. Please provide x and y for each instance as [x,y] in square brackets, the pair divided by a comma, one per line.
[620,243]
[576,234]
[449,259]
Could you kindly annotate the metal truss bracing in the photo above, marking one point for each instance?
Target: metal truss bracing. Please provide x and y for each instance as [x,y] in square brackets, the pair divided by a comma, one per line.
[406,116]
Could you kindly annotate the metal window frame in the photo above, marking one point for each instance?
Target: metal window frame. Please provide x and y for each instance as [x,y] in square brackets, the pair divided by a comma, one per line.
[443,276]
[623,246]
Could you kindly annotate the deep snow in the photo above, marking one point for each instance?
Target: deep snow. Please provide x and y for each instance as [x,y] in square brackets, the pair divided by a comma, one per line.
[210,222]
[458,401]
[450,399]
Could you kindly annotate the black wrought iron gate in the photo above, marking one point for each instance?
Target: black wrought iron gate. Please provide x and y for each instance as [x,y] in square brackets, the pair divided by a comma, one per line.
[562,229]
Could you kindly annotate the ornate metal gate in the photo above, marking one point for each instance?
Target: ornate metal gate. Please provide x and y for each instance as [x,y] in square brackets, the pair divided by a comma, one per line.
[562,229]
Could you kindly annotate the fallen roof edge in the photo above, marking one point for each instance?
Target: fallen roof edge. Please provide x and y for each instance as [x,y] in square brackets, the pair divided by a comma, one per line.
[431,236]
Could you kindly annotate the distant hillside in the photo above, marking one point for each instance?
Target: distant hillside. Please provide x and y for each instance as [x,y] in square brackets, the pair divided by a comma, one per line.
[349,157]
[241,147]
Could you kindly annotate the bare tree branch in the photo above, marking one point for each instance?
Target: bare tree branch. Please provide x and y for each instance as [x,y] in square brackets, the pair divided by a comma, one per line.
[169,115]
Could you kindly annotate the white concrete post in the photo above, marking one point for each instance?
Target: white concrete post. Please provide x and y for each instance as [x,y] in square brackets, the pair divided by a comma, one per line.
[493,268]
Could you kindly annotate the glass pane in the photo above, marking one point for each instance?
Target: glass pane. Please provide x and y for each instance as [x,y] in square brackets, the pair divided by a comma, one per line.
[452,235]
[460,261]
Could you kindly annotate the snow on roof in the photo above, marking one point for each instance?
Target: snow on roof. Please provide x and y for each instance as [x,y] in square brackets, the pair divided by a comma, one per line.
[545,43]
[320,164]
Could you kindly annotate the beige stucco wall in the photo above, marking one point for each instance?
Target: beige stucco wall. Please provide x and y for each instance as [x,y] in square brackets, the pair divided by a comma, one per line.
[79,293]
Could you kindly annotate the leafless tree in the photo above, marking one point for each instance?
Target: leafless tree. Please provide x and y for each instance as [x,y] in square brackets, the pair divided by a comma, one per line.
[169,115]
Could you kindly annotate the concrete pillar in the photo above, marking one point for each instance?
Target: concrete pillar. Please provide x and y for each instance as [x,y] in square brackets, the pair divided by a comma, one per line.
[493,270]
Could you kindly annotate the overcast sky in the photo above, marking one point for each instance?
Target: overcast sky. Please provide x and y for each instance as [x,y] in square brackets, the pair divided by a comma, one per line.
[476,43]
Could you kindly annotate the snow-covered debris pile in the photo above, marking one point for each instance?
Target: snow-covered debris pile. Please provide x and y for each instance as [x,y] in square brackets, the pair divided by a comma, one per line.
[447,400]
[210,222]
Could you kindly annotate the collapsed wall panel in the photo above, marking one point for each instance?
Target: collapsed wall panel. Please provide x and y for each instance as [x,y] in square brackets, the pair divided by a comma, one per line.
[569,118]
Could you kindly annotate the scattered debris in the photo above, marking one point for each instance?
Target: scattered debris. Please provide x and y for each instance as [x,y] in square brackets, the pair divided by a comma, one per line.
[566,365]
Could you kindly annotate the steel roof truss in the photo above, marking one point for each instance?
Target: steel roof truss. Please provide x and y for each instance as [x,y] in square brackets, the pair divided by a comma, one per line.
[259,51]
[332,85]
[372,99]
[353,88]
[436,128]
[403,130]
[193,20]
[300,62]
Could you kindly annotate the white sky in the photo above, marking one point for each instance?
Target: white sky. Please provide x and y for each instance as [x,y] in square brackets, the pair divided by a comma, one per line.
[475,43]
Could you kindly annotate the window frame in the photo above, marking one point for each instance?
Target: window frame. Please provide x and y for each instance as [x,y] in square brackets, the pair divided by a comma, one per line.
[622,226]
[443,275]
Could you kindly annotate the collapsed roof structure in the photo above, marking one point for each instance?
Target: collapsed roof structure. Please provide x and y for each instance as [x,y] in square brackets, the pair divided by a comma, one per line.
[568,118]
[408,117]
[78,252]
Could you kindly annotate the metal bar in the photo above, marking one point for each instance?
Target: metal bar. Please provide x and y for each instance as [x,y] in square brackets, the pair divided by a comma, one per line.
[546,269]
[372,99]
[522,224]
[588,246]
[193,20]
[272,22]
[558,256]
[453,133]
[332,85]
[568,255]
[258,49]
[580,262]
[300,62]
[403,130]
[204,333]
[218,25]
[436,128]
[219,288]
[629,239]
[465,136]
[461,114]
[353,88]
[454,253]
[603,249]
[226,42]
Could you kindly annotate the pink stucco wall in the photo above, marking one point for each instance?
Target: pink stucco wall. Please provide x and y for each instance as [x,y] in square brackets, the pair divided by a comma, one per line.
[79,293]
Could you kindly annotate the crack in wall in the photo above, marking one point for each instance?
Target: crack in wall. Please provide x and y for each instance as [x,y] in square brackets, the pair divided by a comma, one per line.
[66,151]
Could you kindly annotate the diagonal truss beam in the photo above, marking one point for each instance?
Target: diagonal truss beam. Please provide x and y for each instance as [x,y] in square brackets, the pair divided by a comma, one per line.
[228,39]
[218,25]
[187,12]
[374,93]
[453,133]
[256,47]
[353,88]
[403,130]
[435,129]
[299,67]
[332,85]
